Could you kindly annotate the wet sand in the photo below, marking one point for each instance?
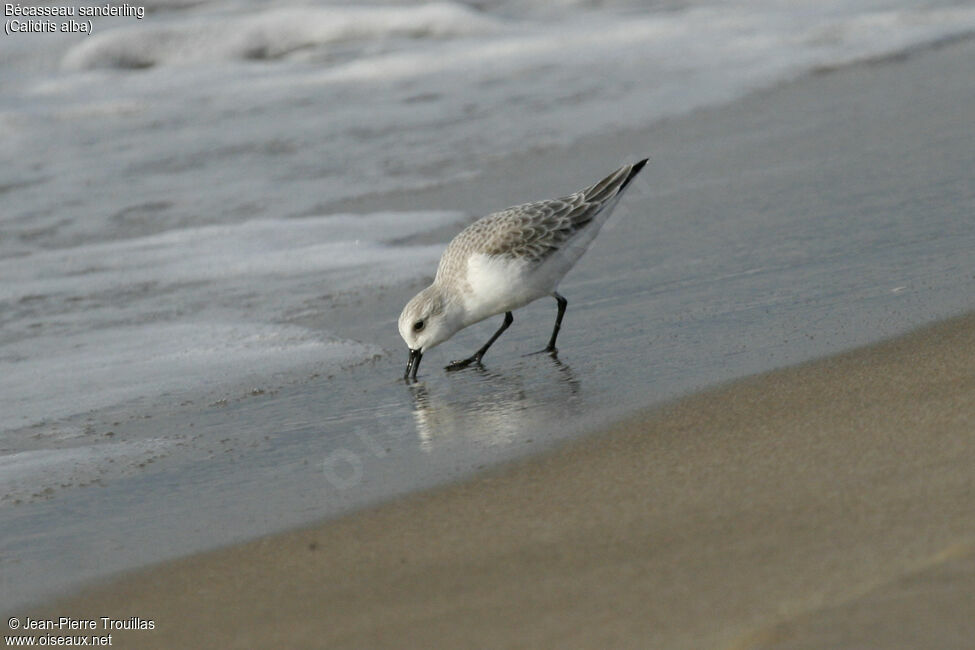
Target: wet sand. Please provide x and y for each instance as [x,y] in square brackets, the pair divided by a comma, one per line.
[825,505]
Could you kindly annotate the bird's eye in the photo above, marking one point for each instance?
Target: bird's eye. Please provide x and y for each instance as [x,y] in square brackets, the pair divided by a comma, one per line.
[418,325]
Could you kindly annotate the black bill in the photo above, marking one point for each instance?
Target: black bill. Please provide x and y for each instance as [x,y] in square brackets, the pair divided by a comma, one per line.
[413,364]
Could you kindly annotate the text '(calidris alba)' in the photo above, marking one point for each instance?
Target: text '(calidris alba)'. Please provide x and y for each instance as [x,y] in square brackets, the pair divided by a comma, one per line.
[506,260]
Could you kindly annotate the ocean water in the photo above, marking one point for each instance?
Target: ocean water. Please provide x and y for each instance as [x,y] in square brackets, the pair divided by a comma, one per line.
[169,241]
[166,181]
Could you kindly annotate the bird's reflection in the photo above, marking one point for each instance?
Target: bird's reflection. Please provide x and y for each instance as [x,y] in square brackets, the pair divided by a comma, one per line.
[568,376]
[494,407]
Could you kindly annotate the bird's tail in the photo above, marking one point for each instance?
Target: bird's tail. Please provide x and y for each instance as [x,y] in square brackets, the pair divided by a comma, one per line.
[614,184]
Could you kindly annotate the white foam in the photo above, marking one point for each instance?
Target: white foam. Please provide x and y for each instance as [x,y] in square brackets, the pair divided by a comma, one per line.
[188,310]
[268,34]
[249,250]
[90,370]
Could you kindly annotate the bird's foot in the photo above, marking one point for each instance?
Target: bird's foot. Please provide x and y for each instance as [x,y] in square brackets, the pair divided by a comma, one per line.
[552,352]
[463,363]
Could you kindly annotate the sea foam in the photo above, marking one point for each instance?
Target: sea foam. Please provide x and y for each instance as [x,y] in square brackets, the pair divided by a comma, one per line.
[270,34]
[190,310]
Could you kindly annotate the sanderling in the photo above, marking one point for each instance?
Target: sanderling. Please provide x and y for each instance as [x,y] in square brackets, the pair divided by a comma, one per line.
[506,260]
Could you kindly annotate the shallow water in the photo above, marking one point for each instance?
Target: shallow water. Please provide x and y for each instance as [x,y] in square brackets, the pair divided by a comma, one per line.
[202,350]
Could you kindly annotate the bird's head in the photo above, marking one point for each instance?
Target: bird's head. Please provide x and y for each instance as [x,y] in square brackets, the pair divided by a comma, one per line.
[424,323]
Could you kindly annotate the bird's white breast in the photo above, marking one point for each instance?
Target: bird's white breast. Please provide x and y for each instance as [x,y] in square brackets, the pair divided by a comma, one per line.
[500,283]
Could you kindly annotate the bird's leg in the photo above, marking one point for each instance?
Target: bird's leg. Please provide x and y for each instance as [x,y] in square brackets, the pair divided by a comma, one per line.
[457,365]
[563,303]
[550,348]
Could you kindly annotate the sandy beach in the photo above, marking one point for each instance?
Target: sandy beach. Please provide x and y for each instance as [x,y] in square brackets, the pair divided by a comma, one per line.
[826,505]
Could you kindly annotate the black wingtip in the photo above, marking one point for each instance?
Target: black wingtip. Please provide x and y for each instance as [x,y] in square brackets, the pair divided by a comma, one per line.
[633,172]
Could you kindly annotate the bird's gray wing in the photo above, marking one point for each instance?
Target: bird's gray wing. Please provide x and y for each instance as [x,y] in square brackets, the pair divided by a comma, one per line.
[534,231]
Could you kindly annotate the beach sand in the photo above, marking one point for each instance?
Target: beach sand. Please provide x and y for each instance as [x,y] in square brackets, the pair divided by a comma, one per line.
[825,505]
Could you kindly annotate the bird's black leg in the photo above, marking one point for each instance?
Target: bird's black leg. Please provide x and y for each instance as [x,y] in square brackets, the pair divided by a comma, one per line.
[457,365]
[563,303]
